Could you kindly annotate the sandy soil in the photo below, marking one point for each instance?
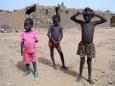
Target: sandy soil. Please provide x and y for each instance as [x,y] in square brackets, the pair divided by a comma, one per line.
[11,66]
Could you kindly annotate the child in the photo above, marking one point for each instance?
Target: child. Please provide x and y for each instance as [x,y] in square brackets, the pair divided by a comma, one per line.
[28,47]
[86,46]
[55,35]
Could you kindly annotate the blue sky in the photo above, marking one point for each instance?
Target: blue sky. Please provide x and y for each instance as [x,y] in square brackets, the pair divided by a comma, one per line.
[94,4]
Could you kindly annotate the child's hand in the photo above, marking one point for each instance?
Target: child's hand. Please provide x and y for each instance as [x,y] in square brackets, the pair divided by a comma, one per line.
[55,41]
[58,42]
[37,41]
[93,14]
[78,13]
[21,53]
[96,14]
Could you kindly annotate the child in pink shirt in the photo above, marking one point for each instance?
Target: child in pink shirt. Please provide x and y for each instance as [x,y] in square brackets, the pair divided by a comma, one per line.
[29,39]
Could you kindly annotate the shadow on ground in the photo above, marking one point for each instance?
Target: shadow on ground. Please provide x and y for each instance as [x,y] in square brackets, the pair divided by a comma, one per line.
[20,66]
[49,63]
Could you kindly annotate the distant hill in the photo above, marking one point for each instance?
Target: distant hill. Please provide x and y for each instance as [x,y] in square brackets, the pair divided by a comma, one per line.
[15,20]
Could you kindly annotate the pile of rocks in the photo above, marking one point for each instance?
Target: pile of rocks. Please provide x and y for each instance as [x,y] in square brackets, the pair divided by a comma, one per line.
[40,20]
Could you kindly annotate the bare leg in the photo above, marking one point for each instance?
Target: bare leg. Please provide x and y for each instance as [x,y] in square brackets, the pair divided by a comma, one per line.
[35,73]
[52,56]
[62,58]
[27,72]
[34,66]
[82,61]
[89,63]
[27,67]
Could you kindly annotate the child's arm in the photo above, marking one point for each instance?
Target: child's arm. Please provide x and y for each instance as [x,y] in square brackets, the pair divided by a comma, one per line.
[22,44]
[49,35]
[102,20]
[61,35]
[73,18]
[37,36]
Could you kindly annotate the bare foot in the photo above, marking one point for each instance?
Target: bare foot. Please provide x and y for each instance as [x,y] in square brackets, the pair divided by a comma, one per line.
[55,67]
[79,79]
[91,81]
[64,67]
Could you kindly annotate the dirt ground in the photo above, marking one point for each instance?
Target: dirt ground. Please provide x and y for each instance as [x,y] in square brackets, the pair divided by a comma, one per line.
[11,65]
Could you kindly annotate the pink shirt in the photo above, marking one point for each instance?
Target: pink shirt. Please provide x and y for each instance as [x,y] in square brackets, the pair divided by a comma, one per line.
[29,39]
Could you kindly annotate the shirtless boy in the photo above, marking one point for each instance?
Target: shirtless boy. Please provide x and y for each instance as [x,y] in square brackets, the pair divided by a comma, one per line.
[55,35]
[86,46]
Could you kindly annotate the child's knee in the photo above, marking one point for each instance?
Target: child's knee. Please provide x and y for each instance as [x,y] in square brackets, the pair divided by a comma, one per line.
[89,60]
[60,51]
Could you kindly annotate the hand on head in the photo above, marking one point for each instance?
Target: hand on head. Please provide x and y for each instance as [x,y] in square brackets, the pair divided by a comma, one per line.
[88,11]
[78,13]
[93,14]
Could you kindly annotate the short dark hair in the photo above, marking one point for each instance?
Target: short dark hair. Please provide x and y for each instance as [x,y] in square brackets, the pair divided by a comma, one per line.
[87,10]
[29,19]
[56,17]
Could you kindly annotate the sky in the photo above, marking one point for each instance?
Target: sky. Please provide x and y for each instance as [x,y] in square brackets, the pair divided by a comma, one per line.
[94,4]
